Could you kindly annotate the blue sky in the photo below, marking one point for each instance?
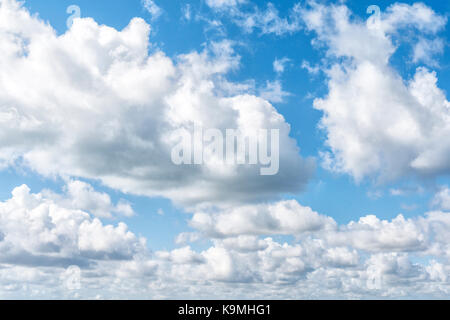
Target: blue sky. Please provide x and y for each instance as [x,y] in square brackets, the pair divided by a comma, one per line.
[384,189]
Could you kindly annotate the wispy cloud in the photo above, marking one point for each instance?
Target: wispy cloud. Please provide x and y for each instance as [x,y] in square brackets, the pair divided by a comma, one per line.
[151,7]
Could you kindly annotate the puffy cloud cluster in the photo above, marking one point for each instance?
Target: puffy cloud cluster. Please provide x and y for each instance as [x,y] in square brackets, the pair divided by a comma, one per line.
[37,231]
[286,217]
[82,196]
[377,123]
[42,243]
[424,234]
[99,106]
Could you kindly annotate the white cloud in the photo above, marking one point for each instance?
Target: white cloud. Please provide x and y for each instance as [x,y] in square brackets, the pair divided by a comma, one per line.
[311,69]
[378,124]
[38,231]
[273,92]
[224,4]
[266,21]
[152,8]
[123,102]
[42,241]
[108,111]
[375,235]
[406,190]
[187,13]
[279,65]
[287,217]
[425,49]
[442,199]
[82,196]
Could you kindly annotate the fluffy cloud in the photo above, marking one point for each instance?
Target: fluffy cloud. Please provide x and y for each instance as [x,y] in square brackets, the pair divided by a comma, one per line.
[377,123]
[108,110]
[50,251]
[82,196]
[37,231]
[240,226]
[286,217]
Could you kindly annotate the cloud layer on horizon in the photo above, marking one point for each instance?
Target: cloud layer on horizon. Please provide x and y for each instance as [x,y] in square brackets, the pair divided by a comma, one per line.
[40,239]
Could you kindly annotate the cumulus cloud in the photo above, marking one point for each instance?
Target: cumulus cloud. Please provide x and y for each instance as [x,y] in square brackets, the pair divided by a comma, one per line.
[42,243]
[369,233]
[377,123]
[82,196]
[37,231]
[286,217]
[108,110]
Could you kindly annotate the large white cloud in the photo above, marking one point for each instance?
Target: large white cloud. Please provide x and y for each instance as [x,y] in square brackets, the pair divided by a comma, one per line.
[94,103]
[377,123]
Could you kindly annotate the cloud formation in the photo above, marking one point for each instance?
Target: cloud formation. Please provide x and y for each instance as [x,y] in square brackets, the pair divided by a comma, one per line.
[99,106]
[253,18]
[379,125]
[37,231]
[42,241]
[108,110]
[152,8]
